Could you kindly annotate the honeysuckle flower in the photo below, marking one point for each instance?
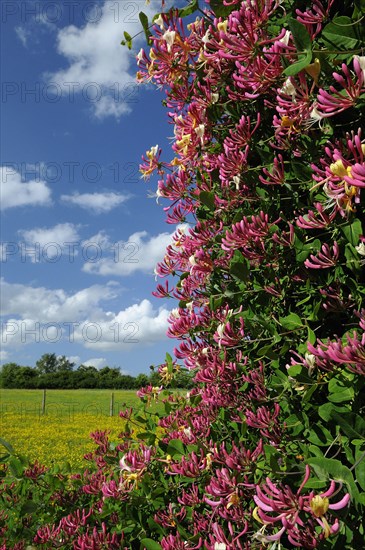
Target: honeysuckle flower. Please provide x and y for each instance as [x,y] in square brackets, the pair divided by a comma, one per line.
[314,17]
[278,504]
[360,248]
[285,39]
[159,21]
[361,62]
[325,259]
[169,36]
[334,102]
[140,56]
[288,88]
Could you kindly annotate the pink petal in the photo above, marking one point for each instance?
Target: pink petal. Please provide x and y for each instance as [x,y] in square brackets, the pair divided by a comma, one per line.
[341,504]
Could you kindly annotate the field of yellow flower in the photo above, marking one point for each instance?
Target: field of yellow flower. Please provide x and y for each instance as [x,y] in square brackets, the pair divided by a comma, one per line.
[62,433]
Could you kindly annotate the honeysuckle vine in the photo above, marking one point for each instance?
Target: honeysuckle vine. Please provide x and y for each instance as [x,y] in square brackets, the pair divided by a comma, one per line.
[264,182]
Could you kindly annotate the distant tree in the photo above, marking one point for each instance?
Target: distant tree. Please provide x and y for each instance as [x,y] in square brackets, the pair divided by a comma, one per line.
[86,377]
[109,377]
[8,375]
[47,363]
[142,380]
[126,382]
[64,365]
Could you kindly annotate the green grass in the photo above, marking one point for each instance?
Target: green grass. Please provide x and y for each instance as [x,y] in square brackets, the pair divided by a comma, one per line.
[66,402]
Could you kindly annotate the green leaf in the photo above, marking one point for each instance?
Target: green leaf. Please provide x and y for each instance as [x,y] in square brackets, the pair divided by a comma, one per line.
[329,468]
[175,448]
[239,267]
[352,232]
[7,446]
[16,467]
[360,468]
[341,33]
[290,322]
[128,40]
[303,43]
[320,436]
[339,393]
[207,198]
[189,9]
[352,258]
[348,424]
[168,359]
[144,20]
[326,410]
[150,544]
[219,9]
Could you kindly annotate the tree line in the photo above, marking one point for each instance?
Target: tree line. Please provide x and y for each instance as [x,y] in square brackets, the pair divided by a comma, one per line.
[57,372]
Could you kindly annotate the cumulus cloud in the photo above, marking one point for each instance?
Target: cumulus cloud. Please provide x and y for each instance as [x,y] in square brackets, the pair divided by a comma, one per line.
[98,203]
[96,59]
[49,243]
[38,314]
[97,362]
[49,305]
[140,252]
[14,192]
[139,324]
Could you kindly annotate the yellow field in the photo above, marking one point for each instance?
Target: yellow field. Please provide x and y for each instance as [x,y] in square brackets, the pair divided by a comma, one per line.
[51,439]
[63,433]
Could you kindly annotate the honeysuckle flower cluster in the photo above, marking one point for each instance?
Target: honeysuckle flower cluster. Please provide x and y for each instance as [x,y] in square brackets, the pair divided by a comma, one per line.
[265,183]
[278,504]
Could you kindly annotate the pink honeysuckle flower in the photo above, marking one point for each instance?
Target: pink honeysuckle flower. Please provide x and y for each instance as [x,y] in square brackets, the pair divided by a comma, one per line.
[265,420]
[175,542]
[219,539]
[191,466]
[314,17]
[334,102]
[171,516]
[350,353]
[341,173]
[149,392]
[93,539]
[325,259]
[317,219]
[277,503]
[277,174]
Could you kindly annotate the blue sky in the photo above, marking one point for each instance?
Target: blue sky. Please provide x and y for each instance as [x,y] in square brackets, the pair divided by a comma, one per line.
[79,235]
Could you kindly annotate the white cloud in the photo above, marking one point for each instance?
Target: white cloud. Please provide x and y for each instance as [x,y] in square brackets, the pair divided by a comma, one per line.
[14,192]
[97,362]
[97,60]
[54,305]
[140,253]
[99,203]
[101,239]
[23,34]
[139,324]
[50,243]
[44,315]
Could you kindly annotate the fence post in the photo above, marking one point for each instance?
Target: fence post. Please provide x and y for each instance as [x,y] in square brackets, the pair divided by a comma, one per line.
[111,410]
[44,402]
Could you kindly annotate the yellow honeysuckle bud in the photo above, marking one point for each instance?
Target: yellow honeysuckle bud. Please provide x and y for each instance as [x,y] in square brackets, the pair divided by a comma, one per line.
[314,69]
[338,169]
[319,505]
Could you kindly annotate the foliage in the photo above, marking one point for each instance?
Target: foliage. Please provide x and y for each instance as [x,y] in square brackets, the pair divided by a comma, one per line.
[267,450]
[54,372]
